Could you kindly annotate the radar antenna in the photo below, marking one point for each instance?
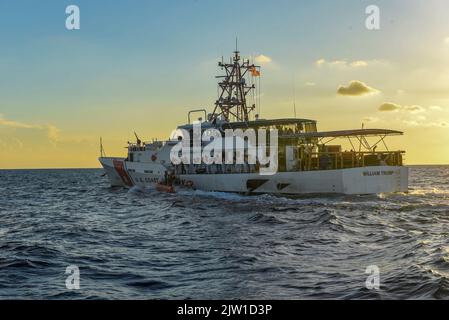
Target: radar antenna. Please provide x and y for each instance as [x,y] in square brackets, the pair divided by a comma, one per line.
[232,100]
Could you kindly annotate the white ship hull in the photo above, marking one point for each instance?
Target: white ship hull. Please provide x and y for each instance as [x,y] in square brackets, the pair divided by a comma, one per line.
[366,180]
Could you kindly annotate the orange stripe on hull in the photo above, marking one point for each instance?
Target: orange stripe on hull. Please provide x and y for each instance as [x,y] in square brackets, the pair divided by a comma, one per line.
[120,168]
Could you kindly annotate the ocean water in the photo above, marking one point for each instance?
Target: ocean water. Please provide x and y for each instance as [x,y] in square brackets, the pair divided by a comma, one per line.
[140,244]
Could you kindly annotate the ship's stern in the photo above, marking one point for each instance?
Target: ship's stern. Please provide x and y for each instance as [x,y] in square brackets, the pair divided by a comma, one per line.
[375,180]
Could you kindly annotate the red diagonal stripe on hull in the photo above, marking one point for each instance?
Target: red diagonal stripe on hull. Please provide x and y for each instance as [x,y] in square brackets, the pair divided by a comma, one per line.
[120,168]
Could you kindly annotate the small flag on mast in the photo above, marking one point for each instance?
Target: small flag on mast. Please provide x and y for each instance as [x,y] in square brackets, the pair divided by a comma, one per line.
[255,72]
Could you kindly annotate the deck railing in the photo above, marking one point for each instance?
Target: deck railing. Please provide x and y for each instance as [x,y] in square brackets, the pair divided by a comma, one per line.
[350,159]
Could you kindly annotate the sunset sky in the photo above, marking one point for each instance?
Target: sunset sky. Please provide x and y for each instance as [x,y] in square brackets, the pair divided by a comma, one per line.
[141,65]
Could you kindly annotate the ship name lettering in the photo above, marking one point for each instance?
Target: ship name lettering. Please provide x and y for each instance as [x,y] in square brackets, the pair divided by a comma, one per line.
[377,173]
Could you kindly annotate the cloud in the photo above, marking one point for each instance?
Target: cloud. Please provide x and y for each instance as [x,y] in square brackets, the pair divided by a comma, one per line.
[414,109]
[263,59]
[337,63]
[15,124]
[388,106]
[342,63]
[52,131]
[310,84]
[359,63]
[356,89]
[413,123]
[320,62]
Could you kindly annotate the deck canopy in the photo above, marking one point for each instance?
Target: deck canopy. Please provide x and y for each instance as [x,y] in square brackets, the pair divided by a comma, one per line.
[345,133]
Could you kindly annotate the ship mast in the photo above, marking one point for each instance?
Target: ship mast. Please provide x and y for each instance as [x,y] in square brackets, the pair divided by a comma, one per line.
[232,101]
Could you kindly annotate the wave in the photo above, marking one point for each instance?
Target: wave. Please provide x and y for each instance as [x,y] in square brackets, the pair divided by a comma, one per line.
[20,264]
[214,194]
[150,284]
[139,242]
[428,191]
[266,219]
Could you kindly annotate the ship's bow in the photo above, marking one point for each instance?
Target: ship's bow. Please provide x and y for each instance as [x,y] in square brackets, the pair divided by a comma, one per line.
[110,167]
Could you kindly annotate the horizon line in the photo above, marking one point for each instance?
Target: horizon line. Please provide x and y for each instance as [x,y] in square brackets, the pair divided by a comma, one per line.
[94,168]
